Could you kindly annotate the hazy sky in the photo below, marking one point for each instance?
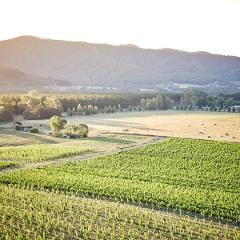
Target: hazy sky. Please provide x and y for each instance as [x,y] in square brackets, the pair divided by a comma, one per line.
[192,25]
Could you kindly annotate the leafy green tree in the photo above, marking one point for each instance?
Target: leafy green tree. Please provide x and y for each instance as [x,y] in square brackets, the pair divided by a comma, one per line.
[57,124]
[53,102]
[10,103]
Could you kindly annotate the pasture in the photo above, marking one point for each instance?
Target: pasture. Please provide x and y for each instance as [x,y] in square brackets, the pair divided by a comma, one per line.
[201,125]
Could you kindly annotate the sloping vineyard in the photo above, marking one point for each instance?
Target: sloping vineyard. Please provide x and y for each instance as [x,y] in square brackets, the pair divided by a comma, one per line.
[192,175]
[27,214]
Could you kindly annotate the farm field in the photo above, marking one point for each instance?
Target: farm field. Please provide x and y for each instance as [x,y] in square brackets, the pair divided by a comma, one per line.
[123,181]
[201,125]
[50,150]
[39,152]
[9,137]
[120,120]
[28,214]
[183,174]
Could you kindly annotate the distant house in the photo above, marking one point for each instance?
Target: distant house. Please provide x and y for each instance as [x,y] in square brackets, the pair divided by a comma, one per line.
[235,108]
[205,108]
[24,128]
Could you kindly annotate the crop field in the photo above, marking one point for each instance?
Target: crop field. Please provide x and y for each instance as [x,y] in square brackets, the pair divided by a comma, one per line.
[39,152]
[28,214]
[121,195]
[192,175]
[23,149]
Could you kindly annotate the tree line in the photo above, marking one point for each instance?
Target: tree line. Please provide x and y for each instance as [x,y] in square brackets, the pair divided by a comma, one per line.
[39,106]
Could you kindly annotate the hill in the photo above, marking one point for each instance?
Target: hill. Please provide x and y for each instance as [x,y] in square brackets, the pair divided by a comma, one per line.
[13,79]
[123,67]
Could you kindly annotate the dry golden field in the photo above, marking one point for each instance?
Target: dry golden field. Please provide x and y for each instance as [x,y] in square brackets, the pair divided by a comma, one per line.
[202,125]
[190,125]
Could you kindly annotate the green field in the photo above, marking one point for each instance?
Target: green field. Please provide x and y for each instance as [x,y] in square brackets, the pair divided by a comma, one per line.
[27,214]
[193,175]
[39,152]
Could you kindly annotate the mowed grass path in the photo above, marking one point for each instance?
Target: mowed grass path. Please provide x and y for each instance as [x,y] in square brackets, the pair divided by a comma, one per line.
[4,165]
[192,175]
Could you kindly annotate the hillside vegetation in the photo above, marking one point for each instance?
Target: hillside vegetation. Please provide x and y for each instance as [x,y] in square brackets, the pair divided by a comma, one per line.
[13,79]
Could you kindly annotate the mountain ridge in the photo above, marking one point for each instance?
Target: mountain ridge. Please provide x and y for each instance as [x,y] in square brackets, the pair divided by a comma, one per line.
[122,67]
[31,37]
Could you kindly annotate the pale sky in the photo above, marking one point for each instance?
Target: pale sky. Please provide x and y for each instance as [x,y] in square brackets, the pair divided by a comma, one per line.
[191,25]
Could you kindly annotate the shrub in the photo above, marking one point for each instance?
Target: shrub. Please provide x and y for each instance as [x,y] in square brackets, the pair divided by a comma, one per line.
[57,124]
[17,127]
[76,130]
[84,130]
[34,130]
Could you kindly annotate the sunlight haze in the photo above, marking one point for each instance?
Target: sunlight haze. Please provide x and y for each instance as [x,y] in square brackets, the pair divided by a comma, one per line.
[119,119]
[191,25]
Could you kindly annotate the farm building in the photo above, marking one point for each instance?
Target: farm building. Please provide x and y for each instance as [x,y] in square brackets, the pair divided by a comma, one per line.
[24,128]
[235,108]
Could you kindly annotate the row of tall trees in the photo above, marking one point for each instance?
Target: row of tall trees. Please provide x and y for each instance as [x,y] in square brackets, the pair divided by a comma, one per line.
[37,106]
[32,105]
